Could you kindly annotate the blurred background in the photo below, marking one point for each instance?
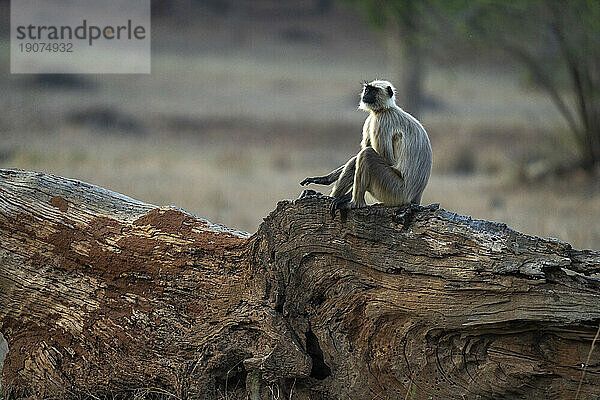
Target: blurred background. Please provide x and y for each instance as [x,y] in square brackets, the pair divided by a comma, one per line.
[246,98]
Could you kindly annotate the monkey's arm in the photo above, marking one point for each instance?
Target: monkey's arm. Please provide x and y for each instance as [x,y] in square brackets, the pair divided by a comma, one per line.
[366,141]
[329,178]
[324,180]
[366,133]
[385,149]
[344,183]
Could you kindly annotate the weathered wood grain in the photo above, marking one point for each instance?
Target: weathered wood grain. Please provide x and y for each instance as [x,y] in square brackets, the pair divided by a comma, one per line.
[103,296]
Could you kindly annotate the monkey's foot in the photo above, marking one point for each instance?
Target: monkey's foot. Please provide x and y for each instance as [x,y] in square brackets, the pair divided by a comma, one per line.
[319,180]
[342,203]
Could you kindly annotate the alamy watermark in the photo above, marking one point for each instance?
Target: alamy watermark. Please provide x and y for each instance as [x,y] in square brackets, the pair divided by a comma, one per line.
[83,36]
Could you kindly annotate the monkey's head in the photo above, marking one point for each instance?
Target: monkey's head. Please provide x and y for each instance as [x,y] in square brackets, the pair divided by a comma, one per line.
[377,96]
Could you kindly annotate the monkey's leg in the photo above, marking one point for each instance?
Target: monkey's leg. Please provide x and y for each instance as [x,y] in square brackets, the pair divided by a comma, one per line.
[344,182]
[375,175]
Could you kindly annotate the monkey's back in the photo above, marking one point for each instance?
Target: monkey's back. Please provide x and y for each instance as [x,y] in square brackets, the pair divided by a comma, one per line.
[411,151]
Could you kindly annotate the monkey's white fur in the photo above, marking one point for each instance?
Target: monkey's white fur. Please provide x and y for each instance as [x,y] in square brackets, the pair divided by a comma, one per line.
[402,141]
[395,161]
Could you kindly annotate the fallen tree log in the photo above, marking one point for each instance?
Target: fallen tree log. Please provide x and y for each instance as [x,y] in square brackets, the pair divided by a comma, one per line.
[103,296]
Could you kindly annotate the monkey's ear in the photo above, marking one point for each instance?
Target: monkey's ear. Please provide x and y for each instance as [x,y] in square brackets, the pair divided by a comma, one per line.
[390,91]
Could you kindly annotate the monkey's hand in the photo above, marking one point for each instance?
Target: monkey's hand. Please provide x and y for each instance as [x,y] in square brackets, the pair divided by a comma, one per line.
[319,180]
[342,203]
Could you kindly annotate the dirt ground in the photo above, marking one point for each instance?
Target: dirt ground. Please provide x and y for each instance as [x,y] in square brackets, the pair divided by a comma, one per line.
[238,110]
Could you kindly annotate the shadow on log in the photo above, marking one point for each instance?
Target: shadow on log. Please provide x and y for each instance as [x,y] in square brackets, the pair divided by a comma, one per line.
[103,296]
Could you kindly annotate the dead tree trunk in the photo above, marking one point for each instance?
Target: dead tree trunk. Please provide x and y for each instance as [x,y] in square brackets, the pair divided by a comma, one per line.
[102,296]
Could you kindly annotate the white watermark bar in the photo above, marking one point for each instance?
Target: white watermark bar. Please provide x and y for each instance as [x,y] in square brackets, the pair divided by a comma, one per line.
[79,37]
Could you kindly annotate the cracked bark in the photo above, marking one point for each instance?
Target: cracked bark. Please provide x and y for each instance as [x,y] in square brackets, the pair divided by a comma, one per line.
[103,296]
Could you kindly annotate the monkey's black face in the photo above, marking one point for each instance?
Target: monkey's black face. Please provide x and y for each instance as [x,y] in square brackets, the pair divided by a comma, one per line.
[377,96]
[369,95]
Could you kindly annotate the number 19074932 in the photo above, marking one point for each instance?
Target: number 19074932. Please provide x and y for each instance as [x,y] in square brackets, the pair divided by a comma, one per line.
[39,47]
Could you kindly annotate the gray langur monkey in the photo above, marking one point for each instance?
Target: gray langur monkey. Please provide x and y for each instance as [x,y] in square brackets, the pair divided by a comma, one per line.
[395,161]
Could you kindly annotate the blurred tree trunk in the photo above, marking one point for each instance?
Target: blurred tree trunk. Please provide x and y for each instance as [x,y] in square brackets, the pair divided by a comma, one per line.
[105,296]
[406,58]
[414,76]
